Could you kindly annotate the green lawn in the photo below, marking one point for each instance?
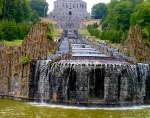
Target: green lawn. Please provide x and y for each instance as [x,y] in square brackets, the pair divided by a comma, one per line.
[16,42]
[84,32]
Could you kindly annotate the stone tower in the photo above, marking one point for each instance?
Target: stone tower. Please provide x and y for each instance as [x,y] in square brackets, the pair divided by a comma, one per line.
[69,13]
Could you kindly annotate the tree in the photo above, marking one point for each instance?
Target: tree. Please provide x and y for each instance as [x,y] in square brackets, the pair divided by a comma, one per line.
[141,17]
[19,10]
[40,6]
[121,14]
[99,11]
[136,1]
[117,20]
[1,6]
[119,17]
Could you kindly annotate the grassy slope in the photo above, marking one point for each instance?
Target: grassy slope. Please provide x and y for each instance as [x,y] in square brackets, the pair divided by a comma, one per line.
[56,34]
[84,32]
[16,42]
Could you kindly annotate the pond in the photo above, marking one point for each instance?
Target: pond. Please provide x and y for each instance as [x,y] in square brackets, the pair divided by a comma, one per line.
[15,109]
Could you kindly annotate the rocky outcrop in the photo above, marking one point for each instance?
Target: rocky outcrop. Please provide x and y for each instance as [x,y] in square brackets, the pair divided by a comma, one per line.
[136,46]
[14,74]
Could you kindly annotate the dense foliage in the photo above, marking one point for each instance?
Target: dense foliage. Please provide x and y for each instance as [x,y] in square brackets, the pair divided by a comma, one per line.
[111,35]
[141,17]
[10,30]
[50,34]
[121,14]
[25,60]
[40,6]
[99,11]
[17,16]
[93,30]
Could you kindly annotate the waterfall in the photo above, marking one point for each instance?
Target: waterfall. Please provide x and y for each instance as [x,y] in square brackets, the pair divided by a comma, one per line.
[42,76]
[89,76]
[73,81]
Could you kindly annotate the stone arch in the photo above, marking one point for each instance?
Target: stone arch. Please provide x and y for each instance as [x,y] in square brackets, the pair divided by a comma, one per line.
[96,83]
[147,97]
[70,13]
[147,88]
[71,79]
[119,86]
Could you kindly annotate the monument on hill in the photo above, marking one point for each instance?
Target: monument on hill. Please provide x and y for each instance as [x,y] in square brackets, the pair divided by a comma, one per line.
[69,13]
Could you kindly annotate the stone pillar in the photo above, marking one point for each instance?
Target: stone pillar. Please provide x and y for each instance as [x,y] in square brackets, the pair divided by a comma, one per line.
[82,83]
[111,85]
[147,87]
[57,83]
[124,85]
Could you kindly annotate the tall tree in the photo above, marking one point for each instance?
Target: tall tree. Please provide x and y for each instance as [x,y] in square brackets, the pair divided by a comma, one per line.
[40,6]
[119,15]
[1,6]
[99,11]
[141,17]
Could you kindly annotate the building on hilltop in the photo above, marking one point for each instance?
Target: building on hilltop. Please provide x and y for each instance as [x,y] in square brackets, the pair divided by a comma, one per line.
[69,13]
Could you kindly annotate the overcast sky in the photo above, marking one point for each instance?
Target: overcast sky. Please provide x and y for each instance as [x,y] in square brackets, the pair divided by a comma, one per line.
[90,3]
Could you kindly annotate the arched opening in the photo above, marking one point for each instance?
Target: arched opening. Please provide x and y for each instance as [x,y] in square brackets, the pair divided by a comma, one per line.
[70,76]
[70,13]
[96,83]
[119,86]
[147,97]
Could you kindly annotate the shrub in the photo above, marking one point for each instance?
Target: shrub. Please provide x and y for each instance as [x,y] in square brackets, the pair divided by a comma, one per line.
[112,35]
[10,30]
[93,30]
[50,34]
[25,60]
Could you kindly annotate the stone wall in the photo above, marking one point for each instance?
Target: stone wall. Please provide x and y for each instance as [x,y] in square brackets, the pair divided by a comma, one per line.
[14,75]
[90,83]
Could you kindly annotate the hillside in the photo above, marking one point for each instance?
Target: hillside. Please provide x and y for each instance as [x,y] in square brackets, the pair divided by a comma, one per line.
[126,25]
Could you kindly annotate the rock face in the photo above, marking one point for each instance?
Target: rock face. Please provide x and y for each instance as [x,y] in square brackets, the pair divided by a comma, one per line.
[14,75]
[92,83]
[136,45]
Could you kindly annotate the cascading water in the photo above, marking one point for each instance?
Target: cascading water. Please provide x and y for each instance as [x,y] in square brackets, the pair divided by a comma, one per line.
[73,81]
[89,77]
[41,79]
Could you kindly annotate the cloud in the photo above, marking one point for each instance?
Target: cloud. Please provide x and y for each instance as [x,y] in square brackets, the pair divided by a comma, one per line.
[90,3]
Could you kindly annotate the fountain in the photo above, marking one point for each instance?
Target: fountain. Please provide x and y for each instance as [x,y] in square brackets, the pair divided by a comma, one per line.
[89,77]
[75,82]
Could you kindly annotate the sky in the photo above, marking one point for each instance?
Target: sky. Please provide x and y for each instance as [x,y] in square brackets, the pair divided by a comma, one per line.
[90,3]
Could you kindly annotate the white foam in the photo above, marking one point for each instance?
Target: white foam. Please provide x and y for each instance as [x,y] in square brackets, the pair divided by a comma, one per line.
[90,108]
